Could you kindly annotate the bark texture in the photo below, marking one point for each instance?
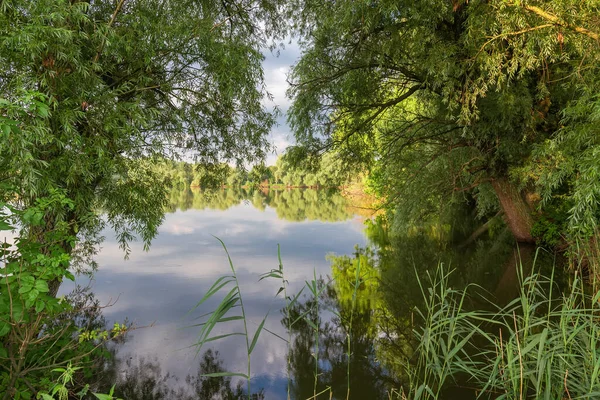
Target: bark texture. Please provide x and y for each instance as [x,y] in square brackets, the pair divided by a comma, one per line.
[517,213]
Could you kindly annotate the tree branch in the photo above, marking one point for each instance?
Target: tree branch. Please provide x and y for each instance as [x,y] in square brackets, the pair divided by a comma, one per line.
[557,21]
[110,23]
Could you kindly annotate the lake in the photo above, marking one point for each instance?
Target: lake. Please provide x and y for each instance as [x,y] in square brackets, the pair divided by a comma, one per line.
[160,287]
[369,286]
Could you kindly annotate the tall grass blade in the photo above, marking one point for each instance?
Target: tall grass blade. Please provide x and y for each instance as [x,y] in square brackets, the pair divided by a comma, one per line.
[257,334]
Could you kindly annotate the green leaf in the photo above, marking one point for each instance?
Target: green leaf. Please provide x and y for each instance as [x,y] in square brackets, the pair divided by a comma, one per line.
[4,226]
[32,295]
[234,318]
[39,306]
[227,374]
[218,285]
[257,334]
[41,286]
[84,391]
[101,396]
[25,288]
[295,299]
[212,339]
[311,324]
[42,108]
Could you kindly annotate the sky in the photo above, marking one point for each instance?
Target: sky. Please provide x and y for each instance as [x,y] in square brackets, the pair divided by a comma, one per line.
[276,69]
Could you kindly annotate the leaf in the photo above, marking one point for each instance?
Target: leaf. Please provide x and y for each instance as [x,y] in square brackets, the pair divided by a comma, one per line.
[234,318]
[6,129]
[276,335]
[84,391]
[212,339]
[257,334]
[42,108]
[32,295]
[227,374]
[214,289]
[101,396]
[296,297]
[4,226]
[25,288]
[41,286]
[273,274]
[27,280]
[39,306]
[311,324]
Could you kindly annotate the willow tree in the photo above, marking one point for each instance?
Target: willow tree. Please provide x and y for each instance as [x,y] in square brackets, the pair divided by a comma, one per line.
[490,99]
[90,89]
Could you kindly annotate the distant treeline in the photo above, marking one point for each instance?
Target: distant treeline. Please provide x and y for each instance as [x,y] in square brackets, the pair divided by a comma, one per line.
[284,173]
[290,205]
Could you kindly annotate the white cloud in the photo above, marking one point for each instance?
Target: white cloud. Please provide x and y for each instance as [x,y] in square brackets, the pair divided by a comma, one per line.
[276,68]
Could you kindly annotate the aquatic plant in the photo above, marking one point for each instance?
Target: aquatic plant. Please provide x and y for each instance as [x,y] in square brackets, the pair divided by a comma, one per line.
[541,345]
[310,315]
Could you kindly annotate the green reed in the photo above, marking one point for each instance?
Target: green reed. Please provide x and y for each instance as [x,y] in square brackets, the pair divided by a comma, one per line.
[289,303]
[233,300]
[541,345]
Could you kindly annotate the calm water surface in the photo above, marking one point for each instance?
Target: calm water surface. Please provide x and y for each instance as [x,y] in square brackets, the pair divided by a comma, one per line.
[161,286]
[319,235]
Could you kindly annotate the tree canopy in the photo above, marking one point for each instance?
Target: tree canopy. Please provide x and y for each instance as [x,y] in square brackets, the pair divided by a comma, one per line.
[490,101]
[88,89]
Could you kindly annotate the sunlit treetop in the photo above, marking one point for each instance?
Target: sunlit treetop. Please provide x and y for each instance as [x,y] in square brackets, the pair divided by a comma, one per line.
[460,94]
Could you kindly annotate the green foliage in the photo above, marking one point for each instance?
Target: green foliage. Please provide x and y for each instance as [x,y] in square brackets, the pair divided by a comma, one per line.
[551,226]
[94,92]
[290,205]
[356,279]
[41,334]
[325,173]
[541,344]
[92,95]
[438,99]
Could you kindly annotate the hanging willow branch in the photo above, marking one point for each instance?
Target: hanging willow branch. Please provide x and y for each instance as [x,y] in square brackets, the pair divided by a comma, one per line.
[557,21]
[112,21]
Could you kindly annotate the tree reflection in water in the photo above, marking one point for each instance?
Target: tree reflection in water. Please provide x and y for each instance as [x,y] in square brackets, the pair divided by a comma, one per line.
[348,314]
[139,378]
[289,204]
[377,315]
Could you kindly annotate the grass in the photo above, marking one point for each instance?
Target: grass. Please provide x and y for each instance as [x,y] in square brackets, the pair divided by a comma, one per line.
[542,345]
[231,308]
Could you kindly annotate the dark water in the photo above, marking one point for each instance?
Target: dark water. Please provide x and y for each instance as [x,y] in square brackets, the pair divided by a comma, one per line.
[320,236]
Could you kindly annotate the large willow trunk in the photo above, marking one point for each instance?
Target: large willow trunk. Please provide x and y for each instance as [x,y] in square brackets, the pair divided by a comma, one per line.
[517,212]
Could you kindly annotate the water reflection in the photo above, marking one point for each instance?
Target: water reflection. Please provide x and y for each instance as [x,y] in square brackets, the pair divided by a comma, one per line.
[336,356]
[289,204]
[162,285]
[408,259]
[138,377]
[360,327]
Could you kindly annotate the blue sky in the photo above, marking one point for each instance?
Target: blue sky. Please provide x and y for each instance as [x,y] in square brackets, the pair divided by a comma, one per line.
[276,69]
